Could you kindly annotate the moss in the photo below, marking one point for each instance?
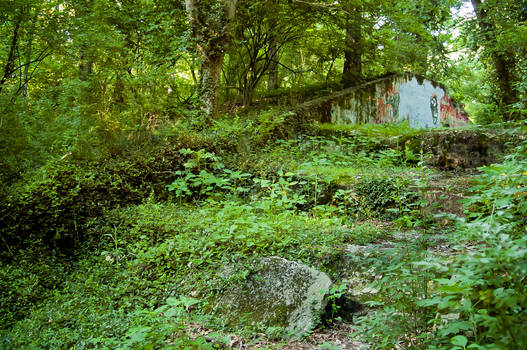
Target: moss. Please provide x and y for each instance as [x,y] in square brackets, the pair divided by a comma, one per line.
[465,148]
[280,293]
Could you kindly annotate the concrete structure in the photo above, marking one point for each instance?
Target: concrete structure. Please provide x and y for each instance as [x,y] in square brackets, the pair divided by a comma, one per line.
[398,97]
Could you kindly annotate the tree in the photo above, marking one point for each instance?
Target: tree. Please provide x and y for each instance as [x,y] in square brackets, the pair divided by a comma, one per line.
[210,21]
[261,29]
[497,21]
[375,38]
[352,68]
[21,57]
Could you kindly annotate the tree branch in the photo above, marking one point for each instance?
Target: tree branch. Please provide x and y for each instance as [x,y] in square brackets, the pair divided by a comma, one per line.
[324,6]
[292,70]
[10,57]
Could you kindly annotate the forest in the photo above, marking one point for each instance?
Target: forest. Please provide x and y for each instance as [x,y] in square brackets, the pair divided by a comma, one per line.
[157,157]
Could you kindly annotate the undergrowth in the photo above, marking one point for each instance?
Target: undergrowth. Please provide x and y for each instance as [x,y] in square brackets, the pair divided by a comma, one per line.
[473,297]
[150,249]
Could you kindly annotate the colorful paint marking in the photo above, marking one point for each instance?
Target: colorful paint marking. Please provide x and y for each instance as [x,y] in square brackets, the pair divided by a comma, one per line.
[421,102]
[434,108]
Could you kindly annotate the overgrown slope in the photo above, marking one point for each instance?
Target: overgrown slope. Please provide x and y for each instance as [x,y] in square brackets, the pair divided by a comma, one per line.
[128,253]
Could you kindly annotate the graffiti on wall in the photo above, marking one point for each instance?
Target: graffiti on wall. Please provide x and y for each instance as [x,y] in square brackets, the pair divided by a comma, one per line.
[422,103]
[388,106]
[450,114]
[447,109]
[434,107]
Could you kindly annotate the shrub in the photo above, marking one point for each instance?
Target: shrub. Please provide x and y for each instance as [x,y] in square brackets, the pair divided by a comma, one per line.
[53,211]
[474,298]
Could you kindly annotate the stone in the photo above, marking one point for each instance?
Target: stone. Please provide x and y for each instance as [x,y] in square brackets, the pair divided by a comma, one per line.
[279,294]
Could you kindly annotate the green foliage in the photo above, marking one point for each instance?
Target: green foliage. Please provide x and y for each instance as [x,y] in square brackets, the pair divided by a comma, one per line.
[104,305]
[258,44]
[156,252]
[400,284]
[477,300]
[119,203]
[492,87]
[334,294]
[486,286]
[256,129]
[203,235]
[53,211]
[375,194]
[158,265]
[26,282]
[82,79]
[381,197]
[198,180]
[368,233]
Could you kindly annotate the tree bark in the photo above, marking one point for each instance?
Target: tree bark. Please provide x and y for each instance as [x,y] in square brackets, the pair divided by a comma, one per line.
[82,10]
[505,79]
[352,70]
[274,48]
[212,37]
[28,58]
[272,81]
[210,85]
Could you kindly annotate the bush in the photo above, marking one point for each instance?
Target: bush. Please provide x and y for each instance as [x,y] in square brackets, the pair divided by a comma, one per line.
[26,282]
[53,211]
[474,298]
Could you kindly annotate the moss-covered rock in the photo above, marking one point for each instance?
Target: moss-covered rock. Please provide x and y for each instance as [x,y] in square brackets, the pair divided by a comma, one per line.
[282,294]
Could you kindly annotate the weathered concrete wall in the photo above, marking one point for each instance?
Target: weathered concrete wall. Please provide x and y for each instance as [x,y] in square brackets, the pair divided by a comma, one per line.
[389,100]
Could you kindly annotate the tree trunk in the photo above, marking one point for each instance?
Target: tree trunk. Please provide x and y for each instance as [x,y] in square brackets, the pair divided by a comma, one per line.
[352,70]
[28,60]
[210,85]
[118,90]
[247,97]
[272,80]
[86,64]
[210,28]
[502,65]
[11,55]
[83,10]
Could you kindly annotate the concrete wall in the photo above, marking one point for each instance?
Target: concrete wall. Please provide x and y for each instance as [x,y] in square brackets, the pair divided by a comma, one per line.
[389,100]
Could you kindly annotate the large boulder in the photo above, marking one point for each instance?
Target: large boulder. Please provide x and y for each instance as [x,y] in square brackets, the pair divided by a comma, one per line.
[280,293]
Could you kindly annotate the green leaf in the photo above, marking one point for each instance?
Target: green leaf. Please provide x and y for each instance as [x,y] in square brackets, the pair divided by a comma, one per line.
[328,346]
[456,326]
[459,340]
[138,334]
